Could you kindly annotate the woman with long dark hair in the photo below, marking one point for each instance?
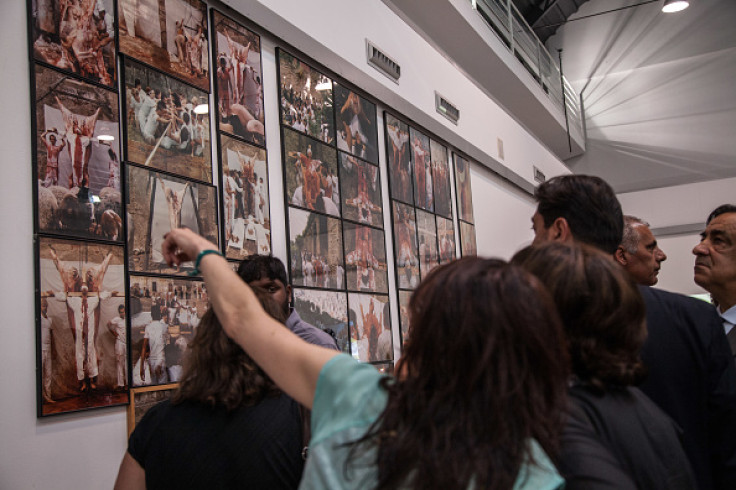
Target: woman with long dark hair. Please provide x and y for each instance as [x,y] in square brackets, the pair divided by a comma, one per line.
[479,402]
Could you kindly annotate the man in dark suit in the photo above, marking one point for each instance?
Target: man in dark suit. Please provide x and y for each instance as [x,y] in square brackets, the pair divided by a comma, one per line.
[691,376]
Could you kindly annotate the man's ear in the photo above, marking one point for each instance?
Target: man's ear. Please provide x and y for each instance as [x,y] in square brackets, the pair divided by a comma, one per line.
[560,231]
[620,256]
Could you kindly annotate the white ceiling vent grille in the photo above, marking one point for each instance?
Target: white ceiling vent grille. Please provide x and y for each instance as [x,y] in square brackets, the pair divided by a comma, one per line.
[446,108]
[378,60]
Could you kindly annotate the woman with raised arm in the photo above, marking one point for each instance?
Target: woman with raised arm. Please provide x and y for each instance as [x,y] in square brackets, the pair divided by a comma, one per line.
[479,402]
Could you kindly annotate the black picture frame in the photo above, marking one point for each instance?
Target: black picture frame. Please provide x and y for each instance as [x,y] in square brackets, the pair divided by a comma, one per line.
[355,124]
[399,156]
[326,310]
[463,191]
[371,337]
[315,250]
[365,258]
[406,247]
[420,155]
[360,191]
[441,179]
[468,244]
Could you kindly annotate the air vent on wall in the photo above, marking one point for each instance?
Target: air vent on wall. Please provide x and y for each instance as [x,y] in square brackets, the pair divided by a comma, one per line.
[446,108]
[539,175]
[378,60]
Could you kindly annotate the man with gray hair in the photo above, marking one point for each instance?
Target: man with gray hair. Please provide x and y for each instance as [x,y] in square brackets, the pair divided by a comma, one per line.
[639,252]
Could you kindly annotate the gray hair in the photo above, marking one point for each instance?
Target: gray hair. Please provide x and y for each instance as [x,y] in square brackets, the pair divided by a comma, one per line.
[630,240]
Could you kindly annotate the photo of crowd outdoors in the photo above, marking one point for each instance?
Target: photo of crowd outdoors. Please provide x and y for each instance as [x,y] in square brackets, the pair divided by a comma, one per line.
[77,157]
[82,326]
[423,193]
[76,36]
[356,130]
[441,179]
[326,310]
[238,80]
[170,35]
[164,314]
[370,327]
[306,99]
[399,156]
[144,398]
[360,184]
[406,249]
[427,232]
[365,259]
[315,248]
[158,203]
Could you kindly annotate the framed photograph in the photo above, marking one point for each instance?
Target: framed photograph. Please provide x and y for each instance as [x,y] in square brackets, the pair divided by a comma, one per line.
[311,174]
[427,233]
[81,321]
[441,179]
[306,99]
[400,169]
[406,249]
[77,157]
[467,239]
[158,203]
[238,80]
[164,131]
[75,37]
[245,192]
[404,316]
[360,184]
[356,130]
[365,258]
[370,327]
[423,194]
[315,250]
[143,399]
[164,314]
[463,190]
[446,240]
[327,310]
[170,35]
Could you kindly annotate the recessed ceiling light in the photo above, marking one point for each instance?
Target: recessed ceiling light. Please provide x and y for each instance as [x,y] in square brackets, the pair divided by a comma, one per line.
[675,5]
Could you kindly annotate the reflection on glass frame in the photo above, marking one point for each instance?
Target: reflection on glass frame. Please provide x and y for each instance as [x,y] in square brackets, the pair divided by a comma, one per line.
[399,159]
[405,245]
[467,239]
[158,203]
[386,368]
[82,337]
[163,130]
[311,174]
[404,316]
[170,36]
[356,130]
[315,247]
[77,38]
[143,399]
[360,184]
[245,191]
[441,180]
[463,190]
[423,194]
[365,259]
[326,310]
[238,80]
[306,99]
[446,239]
[370,327]
[427,233]
[77,157]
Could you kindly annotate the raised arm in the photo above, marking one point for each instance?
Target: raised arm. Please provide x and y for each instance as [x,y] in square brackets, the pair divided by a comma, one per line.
[291,362]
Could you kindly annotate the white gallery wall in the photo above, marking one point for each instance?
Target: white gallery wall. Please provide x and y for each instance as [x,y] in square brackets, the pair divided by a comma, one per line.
[82,451]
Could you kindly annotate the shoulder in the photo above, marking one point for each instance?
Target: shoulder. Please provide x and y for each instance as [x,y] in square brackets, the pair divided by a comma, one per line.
[309,332]
[145,431]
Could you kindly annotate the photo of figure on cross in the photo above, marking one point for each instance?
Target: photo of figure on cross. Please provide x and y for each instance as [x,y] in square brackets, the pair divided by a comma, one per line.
[365,259]
[370,327]
[357,133]
[360,184]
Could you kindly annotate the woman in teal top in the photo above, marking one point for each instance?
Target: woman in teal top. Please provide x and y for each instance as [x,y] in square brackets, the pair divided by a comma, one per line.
[479,397]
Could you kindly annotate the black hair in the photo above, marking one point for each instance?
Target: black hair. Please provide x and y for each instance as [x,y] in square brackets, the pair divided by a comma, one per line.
[256,267]
[722,209]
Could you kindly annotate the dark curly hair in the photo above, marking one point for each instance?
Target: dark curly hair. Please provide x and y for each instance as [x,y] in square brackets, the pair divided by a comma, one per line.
[485,372]
[218,372]
[601,309]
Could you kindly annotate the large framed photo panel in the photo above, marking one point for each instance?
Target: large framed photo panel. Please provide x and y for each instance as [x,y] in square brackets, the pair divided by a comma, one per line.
[360,184]
[238,80]
[463,190]
[467,239]
[406,249]
[400,168]
[427,233]
[326,310]
[306,99]
[365,258]
[423,193]
[441,180]
[158,203]
[245,191]
[356,130]
[81,326]
[311,173]
[164,315]
[170,35]
[315,250]
[76,37]
[446,240]
[77,157]
[370,327]
[163,131]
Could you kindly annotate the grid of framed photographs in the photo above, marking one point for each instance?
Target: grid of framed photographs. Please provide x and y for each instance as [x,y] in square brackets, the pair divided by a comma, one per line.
[336,247]
[465,206]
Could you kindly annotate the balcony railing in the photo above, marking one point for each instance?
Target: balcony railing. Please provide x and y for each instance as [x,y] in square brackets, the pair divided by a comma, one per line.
[508,23]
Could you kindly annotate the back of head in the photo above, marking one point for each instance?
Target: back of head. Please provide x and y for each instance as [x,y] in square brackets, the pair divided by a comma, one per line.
[218,372]
[601,309]
[589,205]
[486,371]
[630,239]
[255,267]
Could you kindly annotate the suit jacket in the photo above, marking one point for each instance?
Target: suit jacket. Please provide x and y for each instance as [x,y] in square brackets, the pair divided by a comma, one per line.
[693,379]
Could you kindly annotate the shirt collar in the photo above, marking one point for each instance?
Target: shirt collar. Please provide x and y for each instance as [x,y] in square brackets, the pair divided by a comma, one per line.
[729,318]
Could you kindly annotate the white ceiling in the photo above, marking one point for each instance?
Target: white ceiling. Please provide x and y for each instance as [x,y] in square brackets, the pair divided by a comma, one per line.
[659,91]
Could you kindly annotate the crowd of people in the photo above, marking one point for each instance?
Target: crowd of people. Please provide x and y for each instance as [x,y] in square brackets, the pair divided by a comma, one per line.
[306,113]
[317,185]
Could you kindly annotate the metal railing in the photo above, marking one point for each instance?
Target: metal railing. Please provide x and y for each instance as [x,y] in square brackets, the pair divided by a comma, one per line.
[508,23]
